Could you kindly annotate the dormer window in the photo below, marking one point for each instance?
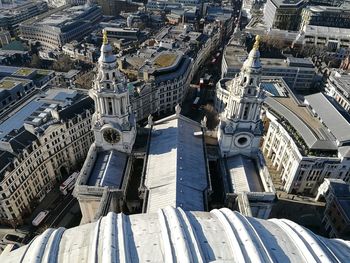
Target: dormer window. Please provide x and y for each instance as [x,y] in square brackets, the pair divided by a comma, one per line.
[107,76]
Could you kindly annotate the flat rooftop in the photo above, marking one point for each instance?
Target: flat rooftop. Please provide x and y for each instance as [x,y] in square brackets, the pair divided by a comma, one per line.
[10,82]
[164,60]
[324,31]
[236,55]
[313,132]
[288,3]
[24,72]
[243,175]
[328,9]
[24,111]
[176,167]
[331,114]
[342,82]
[60,17]
[274,87]
[108,169]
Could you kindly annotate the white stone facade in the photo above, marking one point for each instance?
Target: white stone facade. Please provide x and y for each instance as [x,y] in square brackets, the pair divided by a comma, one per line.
[61,148]
[338,87]
[240,124]
[112,106]
[298,173]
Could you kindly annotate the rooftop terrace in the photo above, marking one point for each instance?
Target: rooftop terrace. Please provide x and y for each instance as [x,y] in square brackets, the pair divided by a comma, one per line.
[9,83]
[164,60]
[308,131]
[24,72]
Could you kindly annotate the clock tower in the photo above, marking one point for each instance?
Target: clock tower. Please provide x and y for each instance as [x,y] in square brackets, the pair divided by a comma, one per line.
[240,127]
[113,122]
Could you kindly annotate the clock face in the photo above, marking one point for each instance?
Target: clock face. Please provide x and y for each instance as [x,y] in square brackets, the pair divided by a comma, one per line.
[111,136]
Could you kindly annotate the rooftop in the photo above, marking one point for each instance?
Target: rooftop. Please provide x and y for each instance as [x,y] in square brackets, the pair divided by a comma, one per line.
[329,112]
[292,112]
[331,32]
[243,175]
[182,236]
[164,60]
[179,183]
[336,9]
[64,16]
[108,169]
[24,71]
[341,81]
[35,104]
[10,82]
[288,3]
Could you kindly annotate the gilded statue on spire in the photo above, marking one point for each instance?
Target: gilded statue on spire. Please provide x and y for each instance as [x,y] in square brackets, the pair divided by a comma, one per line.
[105,39]
[257,42]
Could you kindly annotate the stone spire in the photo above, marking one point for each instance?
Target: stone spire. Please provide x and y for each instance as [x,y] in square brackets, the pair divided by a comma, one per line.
[113,122]
[240,126]
[253,60]
[107,55]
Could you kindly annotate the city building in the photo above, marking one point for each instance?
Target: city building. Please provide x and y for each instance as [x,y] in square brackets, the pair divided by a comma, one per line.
[325,16]
[5,38]
[283,14]
[132,34]
[13,89]
[81,51]
[144,98]
[114,7]
[61,25]
[107,166]
[338,87]
[169,72]
[15,12]
[306,141]
[328,2]
[345,63]
[17,84]
[332,38]
[239,134]
[40,77]
[182,236]
[336,219]
[167,6]
[298,73]
[41,143]
[170,62]
[59,3]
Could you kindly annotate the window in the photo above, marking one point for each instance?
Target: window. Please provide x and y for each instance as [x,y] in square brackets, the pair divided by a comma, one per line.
[245,112]
[110,107]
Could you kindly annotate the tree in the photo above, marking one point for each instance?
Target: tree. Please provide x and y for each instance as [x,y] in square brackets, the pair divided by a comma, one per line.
[63,63]
[212,116]
[35,62]
[85,81]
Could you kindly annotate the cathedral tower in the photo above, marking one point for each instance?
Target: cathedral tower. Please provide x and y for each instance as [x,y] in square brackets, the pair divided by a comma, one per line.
[113,122]
[240,127]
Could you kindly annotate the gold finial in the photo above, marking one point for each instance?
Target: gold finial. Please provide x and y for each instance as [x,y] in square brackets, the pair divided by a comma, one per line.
[257,42]
[105,39]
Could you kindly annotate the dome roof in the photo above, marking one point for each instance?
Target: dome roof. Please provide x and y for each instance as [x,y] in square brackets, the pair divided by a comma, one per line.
[173,235]
[253,60]
[107,55]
